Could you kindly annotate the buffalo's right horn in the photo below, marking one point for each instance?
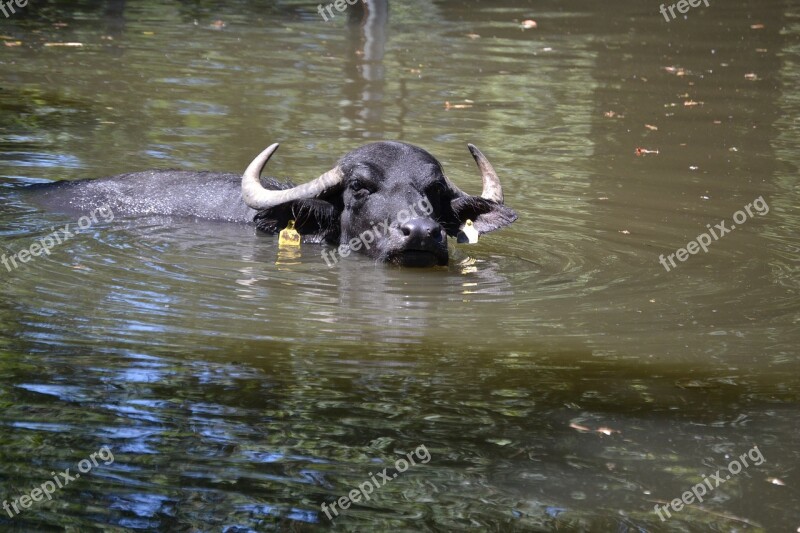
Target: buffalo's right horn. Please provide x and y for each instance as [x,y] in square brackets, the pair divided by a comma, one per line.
[492,190]
[259,198]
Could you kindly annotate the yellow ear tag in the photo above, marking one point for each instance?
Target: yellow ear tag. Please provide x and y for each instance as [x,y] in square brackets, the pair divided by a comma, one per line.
[289,236]
[468,233]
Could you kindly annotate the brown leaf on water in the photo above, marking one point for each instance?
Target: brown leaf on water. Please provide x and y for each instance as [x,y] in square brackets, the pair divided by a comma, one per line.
[756,26]
[602,430]
[651,127]
[678,71]
[645,151]
[448,106]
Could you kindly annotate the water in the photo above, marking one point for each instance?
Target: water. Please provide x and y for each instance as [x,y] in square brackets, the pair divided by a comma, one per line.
[558,375]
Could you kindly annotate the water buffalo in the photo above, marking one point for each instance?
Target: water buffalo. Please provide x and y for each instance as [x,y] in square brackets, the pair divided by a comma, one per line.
[374,187]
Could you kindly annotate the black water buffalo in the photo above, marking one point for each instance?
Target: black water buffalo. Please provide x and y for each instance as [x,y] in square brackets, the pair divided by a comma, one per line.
[390,200]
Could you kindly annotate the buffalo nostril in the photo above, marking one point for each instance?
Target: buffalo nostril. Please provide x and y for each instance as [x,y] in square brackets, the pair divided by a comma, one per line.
[422,229]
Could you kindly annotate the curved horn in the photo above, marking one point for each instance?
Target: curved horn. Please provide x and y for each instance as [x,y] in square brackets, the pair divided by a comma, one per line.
[259,198]
[492,190]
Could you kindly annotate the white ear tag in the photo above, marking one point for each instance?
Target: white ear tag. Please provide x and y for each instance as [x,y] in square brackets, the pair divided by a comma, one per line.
[467,233]
[289,236]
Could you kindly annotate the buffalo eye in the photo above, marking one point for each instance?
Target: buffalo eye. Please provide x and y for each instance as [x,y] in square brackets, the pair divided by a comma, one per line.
[434,191]
[359,189]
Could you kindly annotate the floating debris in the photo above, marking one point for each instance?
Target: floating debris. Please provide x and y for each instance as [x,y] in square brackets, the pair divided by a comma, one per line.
[448,106]
[678,71]
[602,430]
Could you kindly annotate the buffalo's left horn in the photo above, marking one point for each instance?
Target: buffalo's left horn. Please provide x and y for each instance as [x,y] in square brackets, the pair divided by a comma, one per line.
[259,198]
[492,190]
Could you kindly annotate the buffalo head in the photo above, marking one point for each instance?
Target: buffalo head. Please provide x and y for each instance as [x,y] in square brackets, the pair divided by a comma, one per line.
[392,198]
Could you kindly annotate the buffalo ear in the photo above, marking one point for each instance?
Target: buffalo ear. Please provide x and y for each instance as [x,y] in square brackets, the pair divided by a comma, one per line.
[486,215]
[315,220]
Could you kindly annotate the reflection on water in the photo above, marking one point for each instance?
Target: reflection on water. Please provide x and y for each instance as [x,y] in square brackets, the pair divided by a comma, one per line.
[558,375]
